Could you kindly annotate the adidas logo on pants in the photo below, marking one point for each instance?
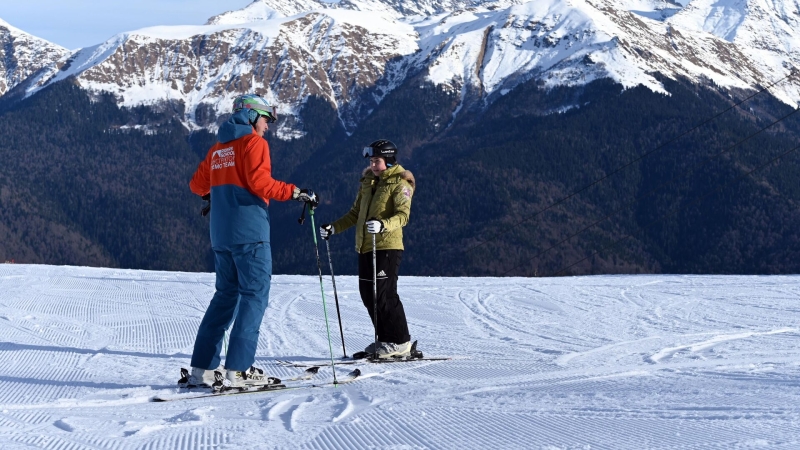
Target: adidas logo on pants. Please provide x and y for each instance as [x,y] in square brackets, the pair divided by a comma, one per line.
[392,324]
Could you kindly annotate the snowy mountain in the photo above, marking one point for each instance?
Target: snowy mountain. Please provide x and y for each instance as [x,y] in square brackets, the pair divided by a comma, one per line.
[574,42]
[462,86]
[22,54]
[353,53]
[766,31]
[334,54]
[607,362]
[263,9]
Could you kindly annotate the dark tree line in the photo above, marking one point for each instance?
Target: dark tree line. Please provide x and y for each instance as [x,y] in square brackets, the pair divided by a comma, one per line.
[80,186]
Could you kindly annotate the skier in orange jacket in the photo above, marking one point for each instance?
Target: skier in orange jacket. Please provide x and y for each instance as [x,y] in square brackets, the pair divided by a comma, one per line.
[237,174]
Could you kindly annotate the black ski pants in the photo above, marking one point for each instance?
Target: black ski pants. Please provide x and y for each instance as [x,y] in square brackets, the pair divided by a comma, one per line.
[392,325]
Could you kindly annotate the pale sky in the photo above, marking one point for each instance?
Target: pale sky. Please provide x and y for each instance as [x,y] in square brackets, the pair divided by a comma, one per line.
[83,23]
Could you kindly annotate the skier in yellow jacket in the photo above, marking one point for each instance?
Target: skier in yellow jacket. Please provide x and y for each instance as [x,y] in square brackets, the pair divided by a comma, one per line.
[382,208]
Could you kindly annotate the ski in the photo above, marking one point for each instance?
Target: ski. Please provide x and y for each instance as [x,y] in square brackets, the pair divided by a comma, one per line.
[307,375]
[322,363]
[364,357]
[352,376]
[207,392]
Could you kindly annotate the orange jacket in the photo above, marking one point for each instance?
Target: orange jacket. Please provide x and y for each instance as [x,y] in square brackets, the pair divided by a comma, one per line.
[238,175]
[248,167]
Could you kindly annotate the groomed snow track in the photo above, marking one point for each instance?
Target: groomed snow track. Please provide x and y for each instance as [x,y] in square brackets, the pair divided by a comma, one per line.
[606,362]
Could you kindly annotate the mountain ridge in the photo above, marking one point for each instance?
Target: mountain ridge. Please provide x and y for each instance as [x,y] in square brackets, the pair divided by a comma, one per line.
[23,54]
[480,49]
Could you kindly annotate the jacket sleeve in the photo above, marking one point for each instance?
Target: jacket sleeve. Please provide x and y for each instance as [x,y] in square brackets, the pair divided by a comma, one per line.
[350,218]
[402,207]
[201,180]
[258,173]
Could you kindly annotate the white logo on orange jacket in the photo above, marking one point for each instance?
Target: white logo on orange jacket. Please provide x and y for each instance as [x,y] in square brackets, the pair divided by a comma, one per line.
[222,158]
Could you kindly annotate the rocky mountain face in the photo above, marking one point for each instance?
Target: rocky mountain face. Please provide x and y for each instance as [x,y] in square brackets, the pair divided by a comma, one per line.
[353,53]
[767,32]
[197,71]
[22,55]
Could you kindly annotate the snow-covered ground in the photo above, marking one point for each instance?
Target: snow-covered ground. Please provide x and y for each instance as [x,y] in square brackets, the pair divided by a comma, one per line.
[605,362]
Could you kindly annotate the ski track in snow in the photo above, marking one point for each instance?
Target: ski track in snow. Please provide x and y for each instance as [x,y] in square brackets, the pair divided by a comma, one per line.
[605,362]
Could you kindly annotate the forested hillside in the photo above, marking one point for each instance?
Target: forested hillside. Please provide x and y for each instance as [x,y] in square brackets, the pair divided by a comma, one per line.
[78,187]
[496,169]
[81,185]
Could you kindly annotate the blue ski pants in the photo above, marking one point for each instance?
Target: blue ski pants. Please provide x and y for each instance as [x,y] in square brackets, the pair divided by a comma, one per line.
[244,273]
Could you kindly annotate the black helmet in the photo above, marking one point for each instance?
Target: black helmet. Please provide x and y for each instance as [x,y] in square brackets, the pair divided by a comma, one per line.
[382,148]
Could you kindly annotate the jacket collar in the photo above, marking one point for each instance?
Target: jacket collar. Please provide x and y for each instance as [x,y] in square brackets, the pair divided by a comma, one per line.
[390,172]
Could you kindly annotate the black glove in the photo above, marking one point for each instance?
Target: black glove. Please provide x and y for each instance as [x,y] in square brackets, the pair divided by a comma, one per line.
[206,209]
[306,195]
[326,231]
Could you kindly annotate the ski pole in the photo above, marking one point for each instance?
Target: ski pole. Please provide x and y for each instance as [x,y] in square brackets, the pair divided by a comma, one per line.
[375,291]
[322,290]
[336,296]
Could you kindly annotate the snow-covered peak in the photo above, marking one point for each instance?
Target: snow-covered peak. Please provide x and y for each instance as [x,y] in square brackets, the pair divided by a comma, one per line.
[762,22]
[336,54]
[257,11]
[721,18]
[652,9]
[398,9]
[493,50]
[354,52]
[22,54]
[16,32]
[484,53]
[260,10]
[766,31]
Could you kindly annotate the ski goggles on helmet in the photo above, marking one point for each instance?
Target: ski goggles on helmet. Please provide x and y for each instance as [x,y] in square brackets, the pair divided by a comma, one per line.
[257,104]
[271,117]
[369,152]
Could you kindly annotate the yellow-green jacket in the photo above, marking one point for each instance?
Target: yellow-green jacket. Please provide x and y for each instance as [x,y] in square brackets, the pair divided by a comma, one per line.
[390,203]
